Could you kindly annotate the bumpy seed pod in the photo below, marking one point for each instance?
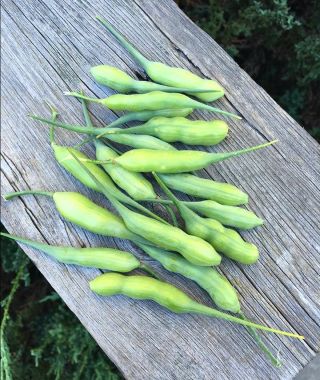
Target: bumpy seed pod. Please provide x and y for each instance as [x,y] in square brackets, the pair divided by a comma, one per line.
[135,141]
[167,295]
[194,249]
[215,284]
[134,184]
[227,215]
[78,209]
[220,192]
[218,287]
[155,100]
[101,258]
[179,129]
[225,241]
[174,161]
[120,81]
[65,157]
[169,76]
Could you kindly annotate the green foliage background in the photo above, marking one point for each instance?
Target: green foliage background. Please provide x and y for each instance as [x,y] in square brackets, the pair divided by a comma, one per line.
[277,42]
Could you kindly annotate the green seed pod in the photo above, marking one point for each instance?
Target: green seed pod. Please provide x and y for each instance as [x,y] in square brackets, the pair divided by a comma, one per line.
[227,215]
[225,241]
[170,76]
[135,141]
[219,288]
[78,209]
[134,184]
[102,258]
[192,248]
[167,295]
[174,161]
[196,250]
[152,101]
[140,141]
[70,159]
[220,192]
[120,81]
[192,132]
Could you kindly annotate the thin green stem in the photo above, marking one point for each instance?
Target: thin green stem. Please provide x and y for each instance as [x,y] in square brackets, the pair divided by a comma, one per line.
[217,110]
[149,270]
[80,96]
[15,194]
[263,347]
[132,50]
[85,111]
[172,214]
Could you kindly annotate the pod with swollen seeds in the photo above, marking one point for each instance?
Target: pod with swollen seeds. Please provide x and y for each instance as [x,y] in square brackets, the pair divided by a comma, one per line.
[135,141]
[122,82]
[101,258]
[179,129]
[169,76]
[165,294]
[155,100]
[220,192]
[174,161]
[194,249]
[227,215]
[65,157]
[134,184]
[225,241]
[78,209]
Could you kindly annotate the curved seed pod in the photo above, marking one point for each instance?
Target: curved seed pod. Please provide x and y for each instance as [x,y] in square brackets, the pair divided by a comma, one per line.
[174,161]
[165,294]
[179,129]
[218,287]
[220,192]
[140,141]
[194,249]
[102,258]
[135,141]
[227,215]
[225,241]
[170,76]
[155,100]
[65,157]
[134,184]
[147,115]
[120,81]
[80,210]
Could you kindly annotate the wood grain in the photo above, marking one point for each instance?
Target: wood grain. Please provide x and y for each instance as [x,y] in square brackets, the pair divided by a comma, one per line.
[48,48]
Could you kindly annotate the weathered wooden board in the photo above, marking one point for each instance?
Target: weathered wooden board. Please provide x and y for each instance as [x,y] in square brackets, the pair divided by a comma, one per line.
[48,47]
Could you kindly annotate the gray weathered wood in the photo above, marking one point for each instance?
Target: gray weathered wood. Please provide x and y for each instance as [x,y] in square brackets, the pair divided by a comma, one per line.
[48,48]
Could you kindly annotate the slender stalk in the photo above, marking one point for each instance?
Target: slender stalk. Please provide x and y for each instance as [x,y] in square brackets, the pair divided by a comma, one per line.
[149,270]
[172,214]
[80,96]
[263,347]
[15,194]
[217,157]
[143,61]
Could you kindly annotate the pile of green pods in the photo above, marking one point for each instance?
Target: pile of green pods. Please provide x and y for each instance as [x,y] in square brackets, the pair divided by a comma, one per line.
[210,213]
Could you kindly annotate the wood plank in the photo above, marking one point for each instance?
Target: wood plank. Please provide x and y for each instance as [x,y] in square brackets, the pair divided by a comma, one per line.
[48,48]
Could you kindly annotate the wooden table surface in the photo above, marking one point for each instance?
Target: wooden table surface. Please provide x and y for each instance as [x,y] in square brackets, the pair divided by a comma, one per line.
[48,47]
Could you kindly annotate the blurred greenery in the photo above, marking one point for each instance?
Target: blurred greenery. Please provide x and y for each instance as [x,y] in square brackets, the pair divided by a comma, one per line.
[277,42]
